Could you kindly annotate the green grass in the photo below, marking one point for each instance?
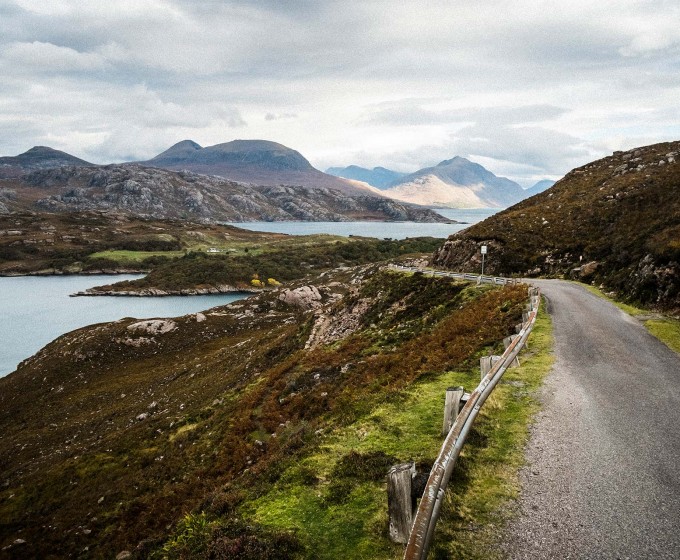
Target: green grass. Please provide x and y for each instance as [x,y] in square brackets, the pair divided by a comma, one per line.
[122,256]
[338,516]
[666,329]
[630,309]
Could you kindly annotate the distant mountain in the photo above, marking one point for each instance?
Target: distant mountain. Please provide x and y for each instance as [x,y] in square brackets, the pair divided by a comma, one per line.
[542,185]
[456,183]
[615,222]
[38,157]
[260,162]
[378,177]
[161,193]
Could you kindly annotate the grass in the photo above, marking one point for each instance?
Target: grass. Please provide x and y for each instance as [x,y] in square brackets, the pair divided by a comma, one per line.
[123,256]
[666,329]
[337,514]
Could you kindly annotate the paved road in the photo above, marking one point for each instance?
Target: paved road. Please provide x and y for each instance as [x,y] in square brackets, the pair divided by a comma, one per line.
[603,474]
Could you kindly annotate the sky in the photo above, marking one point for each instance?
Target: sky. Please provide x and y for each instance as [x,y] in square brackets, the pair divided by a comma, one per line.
[529,89]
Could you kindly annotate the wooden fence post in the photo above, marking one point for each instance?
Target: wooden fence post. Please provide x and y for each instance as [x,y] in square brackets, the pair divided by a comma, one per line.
[486,363]
[399,502]
[451,406]
[507,341]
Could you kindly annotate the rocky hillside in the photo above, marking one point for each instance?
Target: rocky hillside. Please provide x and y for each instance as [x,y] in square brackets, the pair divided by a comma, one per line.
[260,162]
[159,193]
[195,437]
[38,157]
[456,183]
[615,221]
[378,177]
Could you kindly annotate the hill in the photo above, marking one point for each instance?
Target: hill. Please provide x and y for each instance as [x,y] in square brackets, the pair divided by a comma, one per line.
[160,193]
[220,434]
[38,157]
[260,162]
[456,183]
[378,177]
[539,187]
[615,221]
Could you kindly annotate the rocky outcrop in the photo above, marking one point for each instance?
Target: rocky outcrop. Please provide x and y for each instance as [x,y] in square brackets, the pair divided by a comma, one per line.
[156,292]
[304,297]
[159,193]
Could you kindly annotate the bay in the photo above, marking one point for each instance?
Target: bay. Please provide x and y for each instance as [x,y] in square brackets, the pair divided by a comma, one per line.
[34,310]
[393,230]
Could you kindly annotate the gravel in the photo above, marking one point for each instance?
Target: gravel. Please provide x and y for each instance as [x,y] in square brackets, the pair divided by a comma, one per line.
[603,463]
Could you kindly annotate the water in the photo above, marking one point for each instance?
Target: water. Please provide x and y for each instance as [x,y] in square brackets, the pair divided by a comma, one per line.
[394,230]
[36,310]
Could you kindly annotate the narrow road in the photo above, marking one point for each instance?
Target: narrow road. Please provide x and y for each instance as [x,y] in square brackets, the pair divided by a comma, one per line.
[603,473]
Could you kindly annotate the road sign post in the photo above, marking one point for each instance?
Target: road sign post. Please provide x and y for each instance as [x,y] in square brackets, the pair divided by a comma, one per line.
[483,255]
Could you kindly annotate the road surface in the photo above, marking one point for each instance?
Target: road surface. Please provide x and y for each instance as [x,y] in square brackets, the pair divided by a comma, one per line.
[603,473]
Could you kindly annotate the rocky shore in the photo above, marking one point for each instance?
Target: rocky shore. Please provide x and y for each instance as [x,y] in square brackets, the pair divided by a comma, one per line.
[155,292]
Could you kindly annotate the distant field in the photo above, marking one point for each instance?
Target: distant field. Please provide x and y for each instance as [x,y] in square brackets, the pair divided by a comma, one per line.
[134,256]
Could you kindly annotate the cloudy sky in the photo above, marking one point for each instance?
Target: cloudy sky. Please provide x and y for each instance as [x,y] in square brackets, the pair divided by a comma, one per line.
[529,89]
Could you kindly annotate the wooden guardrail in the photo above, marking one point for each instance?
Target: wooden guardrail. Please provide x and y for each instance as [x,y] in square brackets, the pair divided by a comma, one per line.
[416,527]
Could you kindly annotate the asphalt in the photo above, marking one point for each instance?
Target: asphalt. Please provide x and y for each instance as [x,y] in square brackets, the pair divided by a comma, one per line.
[603,463]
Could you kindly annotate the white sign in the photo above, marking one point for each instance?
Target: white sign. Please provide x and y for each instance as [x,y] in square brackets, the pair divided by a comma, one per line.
[483,249]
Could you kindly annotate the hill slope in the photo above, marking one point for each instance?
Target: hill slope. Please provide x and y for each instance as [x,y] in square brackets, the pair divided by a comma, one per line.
[114,433]
[615,221]
[456,183]
[38,157]
[159,193]
[378,177]
[260,162]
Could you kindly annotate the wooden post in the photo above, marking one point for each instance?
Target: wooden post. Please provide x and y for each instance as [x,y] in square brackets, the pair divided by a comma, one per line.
[451,407]
[507,341]
[519,327]
[525,317]
[399,502]
[486,363]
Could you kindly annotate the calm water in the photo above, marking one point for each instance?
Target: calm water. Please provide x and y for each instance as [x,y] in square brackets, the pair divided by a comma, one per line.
[36,310]
[395,230]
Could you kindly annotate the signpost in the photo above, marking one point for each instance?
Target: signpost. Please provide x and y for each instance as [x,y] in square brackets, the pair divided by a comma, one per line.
[483,255]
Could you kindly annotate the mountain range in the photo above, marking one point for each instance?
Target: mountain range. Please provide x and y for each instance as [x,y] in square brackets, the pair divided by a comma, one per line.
[260,162]
[454,183]
[161,193]
[378,177]
[614,222]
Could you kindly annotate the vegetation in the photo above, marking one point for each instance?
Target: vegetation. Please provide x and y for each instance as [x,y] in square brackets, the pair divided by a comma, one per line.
[282,263]
[168,445]
[614,222]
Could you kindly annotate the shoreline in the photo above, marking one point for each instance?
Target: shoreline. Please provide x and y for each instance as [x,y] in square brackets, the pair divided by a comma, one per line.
[156,292]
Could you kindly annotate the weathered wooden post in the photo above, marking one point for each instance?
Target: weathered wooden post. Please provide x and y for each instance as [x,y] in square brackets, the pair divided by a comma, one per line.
[399,501]
[451,407]
[507,341]
[486,363]
[519,327]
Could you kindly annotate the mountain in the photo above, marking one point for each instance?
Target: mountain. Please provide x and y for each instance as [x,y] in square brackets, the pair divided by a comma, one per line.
[38,157]
[456,183]
[615,221]
[378,177]
[260,162]
[539,187]
[160,193]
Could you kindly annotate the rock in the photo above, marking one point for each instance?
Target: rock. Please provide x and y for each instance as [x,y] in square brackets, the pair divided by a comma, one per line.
[305,297]
[200,317]
[123,554]
[142,416]
[154,326]
[19,541]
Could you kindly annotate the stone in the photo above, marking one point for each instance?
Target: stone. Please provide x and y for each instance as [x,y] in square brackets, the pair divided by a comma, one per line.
[305,297]
[123,555]
[153,326]
[200,317]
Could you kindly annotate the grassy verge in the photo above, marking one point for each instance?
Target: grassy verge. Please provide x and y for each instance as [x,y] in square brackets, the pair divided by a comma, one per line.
[666,329]
[336,498]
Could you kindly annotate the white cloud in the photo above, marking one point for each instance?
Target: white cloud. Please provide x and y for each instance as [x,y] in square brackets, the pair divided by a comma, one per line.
[530,87]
